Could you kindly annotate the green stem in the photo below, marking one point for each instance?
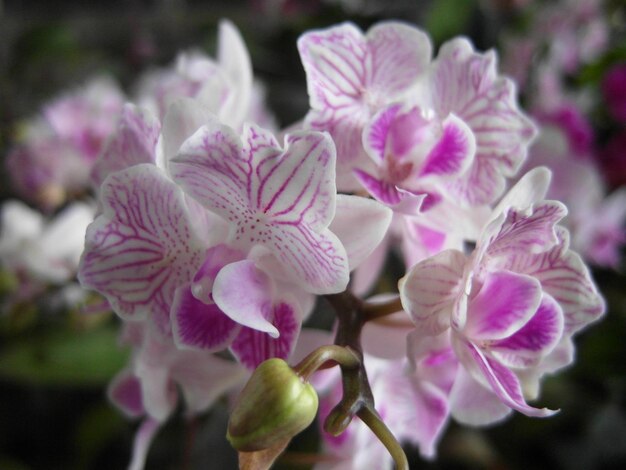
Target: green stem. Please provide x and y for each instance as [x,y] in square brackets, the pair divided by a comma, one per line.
[370,417]
[343,356]
[373,311]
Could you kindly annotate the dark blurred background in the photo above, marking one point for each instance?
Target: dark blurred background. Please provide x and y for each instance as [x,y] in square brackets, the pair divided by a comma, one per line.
[55,364]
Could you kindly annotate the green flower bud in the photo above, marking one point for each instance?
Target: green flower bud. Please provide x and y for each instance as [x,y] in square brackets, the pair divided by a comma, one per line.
[275,405]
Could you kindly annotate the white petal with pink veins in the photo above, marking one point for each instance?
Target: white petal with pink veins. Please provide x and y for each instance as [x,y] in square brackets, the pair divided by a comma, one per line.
[335,61]
[429,289]
[501,380]
[200,326]
[528,232]
[466,83]
[399,53]
[282,200]
[251,347]
[142,247]
[564,276]
[351,75]
[133,142]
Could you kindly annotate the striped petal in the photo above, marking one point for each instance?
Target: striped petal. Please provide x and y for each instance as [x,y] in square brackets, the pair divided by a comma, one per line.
[142,247]
[429,290]
[505,303]
[350,75]
[251,347]
[283,200]
[566,278]
[466,83]
[501,380]
[201,326]
[134,142]
[535,340]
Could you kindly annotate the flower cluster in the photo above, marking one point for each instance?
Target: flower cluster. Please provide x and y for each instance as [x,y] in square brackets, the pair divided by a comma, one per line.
[216,233]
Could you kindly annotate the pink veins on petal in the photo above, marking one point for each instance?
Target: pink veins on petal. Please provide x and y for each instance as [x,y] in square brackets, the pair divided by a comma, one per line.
[251,347]
[142,247]
[281,199]
[466,83]
[350,75]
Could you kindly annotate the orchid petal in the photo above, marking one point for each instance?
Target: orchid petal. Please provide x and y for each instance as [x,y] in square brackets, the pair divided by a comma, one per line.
[234,60]
[152,368]
[373,220]
[288,197]
[200,326]
[367,273]
[534,232]
[386,341]
[244,293]
[251,347]
[561,356]
[399,54]
[346,129]
[203,378]
[216,258]
[383,191]
[534,340]
[142,246]
[182,119]
[377,131]
[143,439]
[505,303]
[335,64]
[499,378]
[466,83]
[454,152]
[55,255]
[427,349]
[473,404]
[134,142]
[531,188]
[429,289]
[124,391]
[565,277]
[415,401]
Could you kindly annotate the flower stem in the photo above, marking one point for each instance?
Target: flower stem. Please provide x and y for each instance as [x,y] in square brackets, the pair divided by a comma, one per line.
[357,397]
[370,417]
[373,311]
[343,356]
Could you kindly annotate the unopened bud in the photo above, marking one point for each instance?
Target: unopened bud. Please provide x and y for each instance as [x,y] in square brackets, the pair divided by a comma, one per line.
[275,405]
